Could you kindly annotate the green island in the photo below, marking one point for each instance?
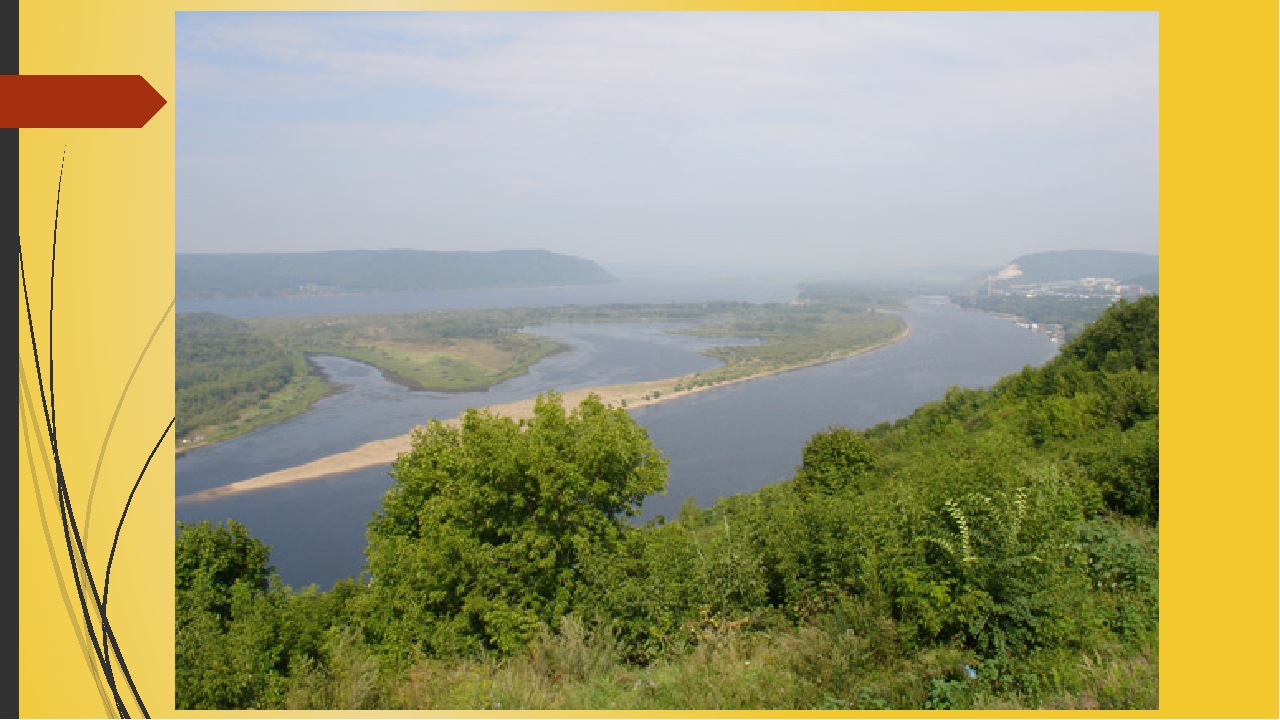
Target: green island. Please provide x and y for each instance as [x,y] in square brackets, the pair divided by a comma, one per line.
[236,375]
[995,550]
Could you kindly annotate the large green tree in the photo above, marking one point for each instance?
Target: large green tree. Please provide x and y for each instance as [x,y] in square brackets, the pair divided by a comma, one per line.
[478,542]
[223,645]
[835,459]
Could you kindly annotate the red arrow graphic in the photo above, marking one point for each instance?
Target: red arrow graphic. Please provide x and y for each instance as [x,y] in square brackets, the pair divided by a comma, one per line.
[77,101]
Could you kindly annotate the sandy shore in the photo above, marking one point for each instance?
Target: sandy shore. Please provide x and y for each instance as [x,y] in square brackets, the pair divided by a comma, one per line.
[382,452]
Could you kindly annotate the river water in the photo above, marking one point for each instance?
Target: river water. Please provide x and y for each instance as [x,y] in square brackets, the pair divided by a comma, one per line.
[722,441]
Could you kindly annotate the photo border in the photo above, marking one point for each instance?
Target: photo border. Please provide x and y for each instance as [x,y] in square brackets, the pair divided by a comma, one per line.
[109,195]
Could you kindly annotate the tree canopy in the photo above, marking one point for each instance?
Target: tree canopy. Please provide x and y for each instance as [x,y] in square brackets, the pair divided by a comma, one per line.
[478,541]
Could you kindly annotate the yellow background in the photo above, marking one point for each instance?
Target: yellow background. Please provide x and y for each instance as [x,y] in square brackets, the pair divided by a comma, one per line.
[1218,253]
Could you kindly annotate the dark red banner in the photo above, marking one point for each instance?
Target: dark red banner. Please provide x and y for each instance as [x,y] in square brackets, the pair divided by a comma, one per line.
[77,101]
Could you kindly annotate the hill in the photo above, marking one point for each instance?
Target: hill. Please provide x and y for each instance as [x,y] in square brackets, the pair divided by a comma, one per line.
[365,271]
[1066,265]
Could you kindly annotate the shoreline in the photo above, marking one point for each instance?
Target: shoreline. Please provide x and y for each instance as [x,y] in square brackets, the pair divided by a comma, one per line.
[380,452]
[313,370]
[333,388]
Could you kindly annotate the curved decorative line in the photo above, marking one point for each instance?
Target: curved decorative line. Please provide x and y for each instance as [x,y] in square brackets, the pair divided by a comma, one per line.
[70,530]
[106,582]
[52,410]
[98,637]
[29,418]
[93,486]
[64,498]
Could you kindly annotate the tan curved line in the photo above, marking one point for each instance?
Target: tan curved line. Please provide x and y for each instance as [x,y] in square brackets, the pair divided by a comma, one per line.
[93,486]
[29,418]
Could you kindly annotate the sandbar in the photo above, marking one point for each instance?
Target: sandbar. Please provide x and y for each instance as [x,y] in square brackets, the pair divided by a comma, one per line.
[383,452]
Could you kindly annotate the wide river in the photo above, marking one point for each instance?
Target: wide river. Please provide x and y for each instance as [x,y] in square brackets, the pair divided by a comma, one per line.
[721,441]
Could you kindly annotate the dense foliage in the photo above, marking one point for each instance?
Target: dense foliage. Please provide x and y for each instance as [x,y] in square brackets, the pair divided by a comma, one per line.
[995,549]
[479,541]
[224,369]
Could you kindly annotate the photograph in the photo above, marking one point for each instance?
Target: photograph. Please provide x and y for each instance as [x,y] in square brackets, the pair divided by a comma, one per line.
[651,361]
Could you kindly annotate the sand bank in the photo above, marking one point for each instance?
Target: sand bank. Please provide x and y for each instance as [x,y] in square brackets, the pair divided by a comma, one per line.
[382,452]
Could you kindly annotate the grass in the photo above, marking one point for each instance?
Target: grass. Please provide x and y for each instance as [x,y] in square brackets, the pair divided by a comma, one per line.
[454,365]
[807,667]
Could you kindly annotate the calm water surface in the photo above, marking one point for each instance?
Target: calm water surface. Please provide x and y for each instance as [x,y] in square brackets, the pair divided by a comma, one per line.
[722,441]
[373,408]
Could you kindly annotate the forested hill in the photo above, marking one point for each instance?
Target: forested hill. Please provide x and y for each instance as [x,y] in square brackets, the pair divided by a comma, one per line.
[1074,264]
[358,271]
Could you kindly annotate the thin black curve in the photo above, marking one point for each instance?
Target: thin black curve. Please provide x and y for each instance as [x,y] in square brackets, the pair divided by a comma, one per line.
[93,486]
[71,533]
[53,262]
[106,582]
[62,491]
[27,426]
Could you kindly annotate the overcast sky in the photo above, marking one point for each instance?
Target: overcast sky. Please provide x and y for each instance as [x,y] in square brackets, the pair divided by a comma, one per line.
[765,139]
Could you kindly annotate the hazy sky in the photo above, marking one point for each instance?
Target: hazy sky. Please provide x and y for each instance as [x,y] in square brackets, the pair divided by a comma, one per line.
[782,139]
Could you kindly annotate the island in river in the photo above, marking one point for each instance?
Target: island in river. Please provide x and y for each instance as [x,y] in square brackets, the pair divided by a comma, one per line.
[235,375]
[630,395]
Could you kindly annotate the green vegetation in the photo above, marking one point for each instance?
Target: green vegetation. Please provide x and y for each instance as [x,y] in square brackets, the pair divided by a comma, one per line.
[479,542]
[1073,314]
[464,350]
[997,549]
[365,271]
[234,375]
[230,379]
[793,336]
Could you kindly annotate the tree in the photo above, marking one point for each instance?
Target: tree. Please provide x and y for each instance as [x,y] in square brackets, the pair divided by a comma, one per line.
[223,656]
[478,542]
[1126,336]
[211,560]
[833,460]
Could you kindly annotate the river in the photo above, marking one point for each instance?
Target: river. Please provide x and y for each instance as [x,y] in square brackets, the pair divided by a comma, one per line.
[726,440]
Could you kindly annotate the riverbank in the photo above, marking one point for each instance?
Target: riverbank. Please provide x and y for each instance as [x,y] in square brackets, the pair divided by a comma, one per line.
[461,369]
[295,399]
[628,396]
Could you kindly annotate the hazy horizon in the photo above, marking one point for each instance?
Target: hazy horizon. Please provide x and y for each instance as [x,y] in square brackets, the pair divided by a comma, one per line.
[833,143]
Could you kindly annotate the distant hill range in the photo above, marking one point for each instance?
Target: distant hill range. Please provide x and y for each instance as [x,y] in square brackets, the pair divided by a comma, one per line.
[368,271]
[1061,269]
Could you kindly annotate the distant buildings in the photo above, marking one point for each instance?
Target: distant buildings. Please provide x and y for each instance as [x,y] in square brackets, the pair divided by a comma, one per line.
[1086,287]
